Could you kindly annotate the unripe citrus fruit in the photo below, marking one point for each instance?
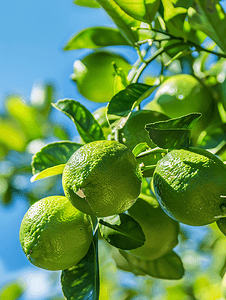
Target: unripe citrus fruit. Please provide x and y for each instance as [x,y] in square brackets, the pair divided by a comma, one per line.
[161,231]
[55,235]
[134,133]
[180,95]
[95,76]
[102,178]
[189,184]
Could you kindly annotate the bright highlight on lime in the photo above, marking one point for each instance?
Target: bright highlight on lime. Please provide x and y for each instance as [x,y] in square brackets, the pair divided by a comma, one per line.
[102,178]
[55,235]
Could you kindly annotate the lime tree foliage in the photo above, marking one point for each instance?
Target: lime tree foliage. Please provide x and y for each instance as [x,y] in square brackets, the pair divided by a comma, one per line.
[171,125]
[25,125]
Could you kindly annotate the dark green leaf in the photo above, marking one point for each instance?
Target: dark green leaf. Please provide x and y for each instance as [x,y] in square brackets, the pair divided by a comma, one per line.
[122,231]
[173,133]
[168,266]
[96,37]
[87,3]
[123,21]
[82,280]
[209,17]
[53,154]
[122,104]
[87,126]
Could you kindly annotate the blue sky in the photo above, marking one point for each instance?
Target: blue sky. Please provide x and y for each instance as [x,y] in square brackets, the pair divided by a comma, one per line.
[32,37]
[32,40]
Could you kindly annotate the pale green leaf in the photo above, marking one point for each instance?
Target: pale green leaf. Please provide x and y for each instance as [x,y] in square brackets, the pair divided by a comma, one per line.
[123,21]
[56,170]
[87,3]
[142,10]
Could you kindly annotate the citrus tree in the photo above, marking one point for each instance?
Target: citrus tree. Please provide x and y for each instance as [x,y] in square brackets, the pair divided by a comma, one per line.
[149,160]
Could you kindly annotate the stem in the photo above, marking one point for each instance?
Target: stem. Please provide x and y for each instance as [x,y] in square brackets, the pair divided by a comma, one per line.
[157,149]
[153,57]
[189,43]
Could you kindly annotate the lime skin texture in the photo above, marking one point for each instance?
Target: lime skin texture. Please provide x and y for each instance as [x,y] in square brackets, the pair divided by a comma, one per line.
[161,231]
[102,178]
[54,235]
[189,183]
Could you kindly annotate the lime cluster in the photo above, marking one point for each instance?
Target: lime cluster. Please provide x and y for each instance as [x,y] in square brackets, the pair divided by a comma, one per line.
[102,178]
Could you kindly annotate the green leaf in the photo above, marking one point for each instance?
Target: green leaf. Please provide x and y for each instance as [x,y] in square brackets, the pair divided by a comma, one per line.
[173,133]
[168,266]
[87,126]
[139,148]
[209,17]
[27,117]
[56,170]
[87,3]
[174,17]
[82,280]
[122,231]
[123,21]
[53,154]
[96,37]
[142,10]
[11,291]
[122,104]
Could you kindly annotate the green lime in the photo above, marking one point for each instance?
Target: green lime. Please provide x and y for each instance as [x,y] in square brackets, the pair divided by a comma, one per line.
[102,178]
[161,231]
[189,185]
[55,235]
[134,133]
[181,95]
[95,75]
